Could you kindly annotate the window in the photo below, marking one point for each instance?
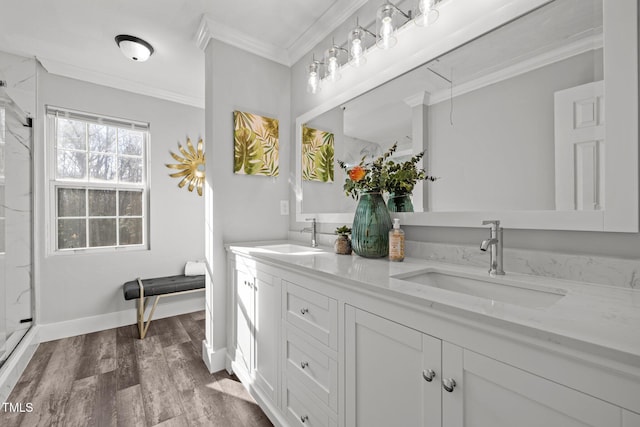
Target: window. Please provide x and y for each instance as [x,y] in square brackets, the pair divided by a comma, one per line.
[98,182]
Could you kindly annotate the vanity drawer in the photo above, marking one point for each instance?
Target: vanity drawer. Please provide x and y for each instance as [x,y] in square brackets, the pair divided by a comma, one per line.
[303,410]
[313,313]
[311,365]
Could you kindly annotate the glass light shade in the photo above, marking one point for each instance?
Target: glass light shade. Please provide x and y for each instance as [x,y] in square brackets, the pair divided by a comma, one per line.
[385,25]
[313,80]
[134,48]
[332,63]
[428,13]
[357,47]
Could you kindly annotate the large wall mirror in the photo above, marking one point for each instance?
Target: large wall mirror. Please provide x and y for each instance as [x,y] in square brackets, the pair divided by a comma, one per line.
[513,123]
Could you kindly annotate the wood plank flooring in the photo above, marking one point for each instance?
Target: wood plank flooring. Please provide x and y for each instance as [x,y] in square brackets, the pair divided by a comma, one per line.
[111,378]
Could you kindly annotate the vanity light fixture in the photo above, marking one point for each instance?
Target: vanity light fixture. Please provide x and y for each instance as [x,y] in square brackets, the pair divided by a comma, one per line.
[356,43]
[313,78]
[385,25]
[134,48]
[332,62]
[428,12]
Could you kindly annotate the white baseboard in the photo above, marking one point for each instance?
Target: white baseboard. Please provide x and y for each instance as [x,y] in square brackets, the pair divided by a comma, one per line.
[215,360]
[17,362]
[86,325]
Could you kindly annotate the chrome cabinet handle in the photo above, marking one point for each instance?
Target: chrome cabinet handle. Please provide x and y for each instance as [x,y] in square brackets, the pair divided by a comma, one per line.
[304,418]
[304,311]
[448,384]
[428,375]
[304,364]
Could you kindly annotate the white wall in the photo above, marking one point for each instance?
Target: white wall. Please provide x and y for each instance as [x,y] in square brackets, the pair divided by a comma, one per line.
[239,207]
[74,286]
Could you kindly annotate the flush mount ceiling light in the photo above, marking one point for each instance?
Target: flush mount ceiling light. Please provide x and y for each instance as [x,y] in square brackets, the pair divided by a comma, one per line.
[134,48]
[385,24]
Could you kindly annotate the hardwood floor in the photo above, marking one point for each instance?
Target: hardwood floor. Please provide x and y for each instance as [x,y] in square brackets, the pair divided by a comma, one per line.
[111,378]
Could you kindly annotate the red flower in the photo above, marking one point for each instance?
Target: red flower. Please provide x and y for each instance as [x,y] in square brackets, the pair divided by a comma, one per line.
[357,173]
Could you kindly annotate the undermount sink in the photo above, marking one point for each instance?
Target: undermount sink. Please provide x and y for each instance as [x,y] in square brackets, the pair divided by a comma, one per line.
[493,288]
[290,248]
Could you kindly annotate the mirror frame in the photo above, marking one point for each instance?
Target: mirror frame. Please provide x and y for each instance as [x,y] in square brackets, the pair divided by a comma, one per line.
[464,20]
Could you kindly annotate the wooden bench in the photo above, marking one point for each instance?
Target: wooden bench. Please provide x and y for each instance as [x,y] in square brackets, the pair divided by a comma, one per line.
[159,287]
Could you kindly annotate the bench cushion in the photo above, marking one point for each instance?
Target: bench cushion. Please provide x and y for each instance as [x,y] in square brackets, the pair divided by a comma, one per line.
[163,285]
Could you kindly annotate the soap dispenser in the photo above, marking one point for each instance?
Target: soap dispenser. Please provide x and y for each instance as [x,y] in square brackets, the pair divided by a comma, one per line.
[396,242]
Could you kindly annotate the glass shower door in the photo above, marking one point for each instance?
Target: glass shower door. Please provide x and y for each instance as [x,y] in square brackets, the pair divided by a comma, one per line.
[16,240]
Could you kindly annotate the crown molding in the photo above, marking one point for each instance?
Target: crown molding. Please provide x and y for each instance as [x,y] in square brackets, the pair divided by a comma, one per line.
[212,29]
[563,52]
[337,14]
[74,72]
[420,98]
[339,11]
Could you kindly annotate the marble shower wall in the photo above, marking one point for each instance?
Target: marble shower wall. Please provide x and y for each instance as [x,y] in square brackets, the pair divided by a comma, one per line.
[17,98]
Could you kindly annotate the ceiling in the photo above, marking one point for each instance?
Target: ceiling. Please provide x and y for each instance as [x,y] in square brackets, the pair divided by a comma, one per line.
[75,38]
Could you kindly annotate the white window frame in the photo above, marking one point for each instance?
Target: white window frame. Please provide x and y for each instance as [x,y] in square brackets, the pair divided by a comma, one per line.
[3,142]
[54,183]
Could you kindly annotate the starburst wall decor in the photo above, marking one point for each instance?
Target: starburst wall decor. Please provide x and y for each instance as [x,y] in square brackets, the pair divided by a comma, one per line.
[191,167]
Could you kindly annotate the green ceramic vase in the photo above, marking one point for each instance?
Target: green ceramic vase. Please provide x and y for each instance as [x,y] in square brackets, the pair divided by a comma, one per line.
[371,225]
[400,202]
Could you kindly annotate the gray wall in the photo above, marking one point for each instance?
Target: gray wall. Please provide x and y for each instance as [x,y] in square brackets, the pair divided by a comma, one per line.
[73,286]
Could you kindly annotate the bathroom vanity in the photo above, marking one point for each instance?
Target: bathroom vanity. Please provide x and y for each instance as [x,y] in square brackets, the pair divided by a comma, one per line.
[322,339]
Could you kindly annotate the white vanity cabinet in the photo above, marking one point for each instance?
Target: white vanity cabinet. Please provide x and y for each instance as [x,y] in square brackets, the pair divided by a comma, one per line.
[257,318]
[396,375]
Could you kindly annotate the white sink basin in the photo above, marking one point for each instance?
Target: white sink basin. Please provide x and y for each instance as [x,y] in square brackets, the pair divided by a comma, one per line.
[290,248]
[494,288]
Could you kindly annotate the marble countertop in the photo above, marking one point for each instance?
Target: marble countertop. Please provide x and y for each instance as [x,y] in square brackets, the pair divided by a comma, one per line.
[604,317]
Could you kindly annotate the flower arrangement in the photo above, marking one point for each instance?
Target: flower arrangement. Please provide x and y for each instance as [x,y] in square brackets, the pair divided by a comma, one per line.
[367,177]
[384,175]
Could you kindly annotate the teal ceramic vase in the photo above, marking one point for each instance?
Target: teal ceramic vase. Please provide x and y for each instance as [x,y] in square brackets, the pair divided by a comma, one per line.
[371,225]
[399,202]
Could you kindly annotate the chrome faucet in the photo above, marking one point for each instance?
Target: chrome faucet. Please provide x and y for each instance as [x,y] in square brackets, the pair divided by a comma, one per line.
[495,242]
[313,230]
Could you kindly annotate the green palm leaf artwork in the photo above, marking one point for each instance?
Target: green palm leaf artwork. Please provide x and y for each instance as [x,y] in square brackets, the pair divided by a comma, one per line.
[256,146]
[317,155]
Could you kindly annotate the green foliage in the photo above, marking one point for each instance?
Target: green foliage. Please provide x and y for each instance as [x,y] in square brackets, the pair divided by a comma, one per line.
[344,230]
[323,164]
[375,178]
[402,177]
[248,152]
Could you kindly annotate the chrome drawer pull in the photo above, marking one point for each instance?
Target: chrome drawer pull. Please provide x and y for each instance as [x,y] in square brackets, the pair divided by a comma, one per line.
[449,384]
[304,364]
[304,419]
[428,375]
[304,311]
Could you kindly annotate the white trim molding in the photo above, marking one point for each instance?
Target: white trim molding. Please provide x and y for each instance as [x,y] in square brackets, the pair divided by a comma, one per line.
[339,11]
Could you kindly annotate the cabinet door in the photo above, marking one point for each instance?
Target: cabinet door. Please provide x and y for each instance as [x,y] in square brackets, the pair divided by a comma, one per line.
[244,320]
[489,393]
[387,372]
[267,326]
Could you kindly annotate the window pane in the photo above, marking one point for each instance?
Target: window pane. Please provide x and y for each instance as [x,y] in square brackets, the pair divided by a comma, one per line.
[72,164]
[130,169]
[102,167]
[72,233]
[102,139]
[71,134]
[102,203]
[102,232]
[71,202]
[131,231]
[130,142]
[130,203]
